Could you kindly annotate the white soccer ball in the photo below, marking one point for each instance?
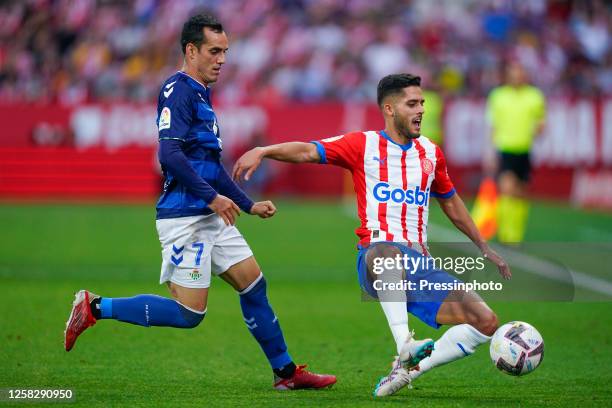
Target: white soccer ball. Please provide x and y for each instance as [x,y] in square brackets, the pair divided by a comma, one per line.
[517,348]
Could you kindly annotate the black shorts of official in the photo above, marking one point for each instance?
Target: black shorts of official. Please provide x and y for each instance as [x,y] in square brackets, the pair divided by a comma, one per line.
[519,164]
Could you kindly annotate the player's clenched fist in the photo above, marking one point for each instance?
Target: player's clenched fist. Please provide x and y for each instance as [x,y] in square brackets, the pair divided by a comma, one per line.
[264,209]
[247,163]
[225,208]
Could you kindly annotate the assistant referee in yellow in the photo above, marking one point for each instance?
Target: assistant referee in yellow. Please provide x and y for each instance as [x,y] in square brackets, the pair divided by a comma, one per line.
[516,111]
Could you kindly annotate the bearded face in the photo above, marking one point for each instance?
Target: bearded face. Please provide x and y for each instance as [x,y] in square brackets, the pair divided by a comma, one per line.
[407,110]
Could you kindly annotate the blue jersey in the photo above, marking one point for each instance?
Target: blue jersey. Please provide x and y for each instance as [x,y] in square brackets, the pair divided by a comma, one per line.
[184,112]
[185,118]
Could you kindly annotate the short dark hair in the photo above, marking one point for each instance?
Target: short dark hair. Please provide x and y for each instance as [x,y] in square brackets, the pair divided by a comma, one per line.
[193,30]
[393,84]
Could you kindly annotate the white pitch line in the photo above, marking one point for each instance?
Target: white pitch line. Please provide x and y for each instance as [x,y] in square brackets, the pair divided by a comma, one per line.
[531,264]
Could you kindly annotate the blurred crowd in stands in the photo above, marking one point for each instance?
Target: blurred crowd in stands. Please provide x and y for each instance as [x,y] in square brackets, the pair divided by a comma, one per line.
[74,51]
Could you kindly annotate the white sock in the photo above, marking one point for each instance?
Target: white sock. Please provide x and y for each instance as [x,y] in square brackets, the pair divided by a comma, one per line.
[397,317]
[458,342]
[393,303]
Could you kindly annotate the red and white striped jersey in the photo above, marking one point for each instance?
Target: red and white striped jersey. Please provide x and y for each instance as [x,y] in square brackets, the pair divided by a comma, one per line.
[393,183]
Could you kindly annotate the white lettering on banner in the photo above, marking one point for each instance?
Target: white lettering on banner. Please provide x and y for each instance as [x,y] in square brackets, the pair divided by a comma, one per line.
[114,127]
[127,125]
[239,124]
[118,126]
[569,138]
[86,124]
[592,189]
[465,131]
[606,132]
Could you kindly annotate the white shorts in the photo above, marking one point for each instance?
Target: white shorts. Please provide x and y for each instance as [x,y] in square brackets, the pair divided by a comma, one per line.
[194,247]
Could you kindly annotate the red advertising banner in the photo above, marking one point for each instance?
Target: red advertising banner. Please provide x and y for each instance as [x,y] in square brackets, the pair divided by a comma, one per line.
[45,147]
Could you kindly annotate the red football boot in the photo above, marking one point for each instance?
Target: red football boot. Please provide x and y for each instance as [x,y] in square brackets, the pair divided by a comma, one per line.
[303,379]
[80,318]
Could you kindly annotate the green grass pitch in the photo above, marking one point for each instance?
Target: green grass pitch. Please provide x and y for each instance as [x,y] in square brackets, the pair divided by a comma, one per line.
[307,252]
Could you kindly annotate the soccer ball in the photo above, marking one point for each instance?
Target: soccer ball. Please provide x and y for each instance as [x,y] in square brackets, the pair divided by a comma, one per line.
[517,348]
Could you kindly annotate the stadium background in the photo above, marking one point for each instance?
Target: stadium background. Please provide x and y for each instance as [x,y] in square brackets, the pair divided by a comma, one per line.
[78,180]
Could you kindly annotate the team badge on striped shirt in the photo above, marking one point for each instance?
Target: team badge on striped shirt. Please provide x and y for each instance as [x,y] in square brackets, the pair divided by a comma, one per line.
[427,166]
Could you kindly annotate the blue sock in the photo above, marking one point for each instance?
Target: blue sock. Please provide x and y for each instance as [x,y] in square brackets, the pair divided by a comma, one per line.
[150,310]
[263,324]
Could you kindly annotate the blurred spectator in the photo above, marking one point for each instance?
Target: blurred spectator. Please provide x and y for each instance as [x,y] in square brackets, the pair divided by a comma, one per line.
[70,51]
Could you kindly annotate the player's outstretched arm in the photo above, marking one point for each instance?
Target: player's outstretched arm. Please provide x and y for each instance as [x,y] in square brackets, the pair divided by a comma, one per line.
[292,152]
[455,210]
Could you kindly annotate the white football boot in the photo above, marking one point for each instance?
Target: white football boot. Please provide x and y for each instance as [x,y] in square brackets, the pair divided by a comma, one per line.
[397,379]
[413,351]
[411,354]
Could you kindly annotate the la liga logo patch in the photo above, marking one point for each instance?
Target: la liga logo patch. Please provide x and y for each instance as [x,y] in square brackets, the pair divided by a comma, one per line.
[164,119]
[427,166]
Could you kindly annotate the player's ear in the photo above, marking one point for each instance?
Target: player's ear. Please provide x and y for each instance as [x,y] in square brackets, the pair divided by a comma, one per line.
[387,109]
[191,50]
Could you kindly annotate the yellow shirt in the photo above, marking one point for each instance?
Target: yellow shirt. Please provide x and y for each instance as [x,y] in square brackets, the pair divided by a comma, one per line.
[515,114]
[431,125]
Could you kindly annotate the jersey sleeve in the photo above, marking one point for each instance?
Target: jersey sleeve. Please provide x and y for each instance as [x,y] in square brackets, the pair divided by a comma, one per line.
[229,188]
[442,186]
[176,112]
[172,158]
[344,150]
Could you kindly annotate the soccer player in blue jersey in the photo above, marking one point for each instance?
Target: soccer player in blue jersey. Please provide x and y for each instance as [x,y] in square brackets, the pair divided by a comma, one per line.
[195,220]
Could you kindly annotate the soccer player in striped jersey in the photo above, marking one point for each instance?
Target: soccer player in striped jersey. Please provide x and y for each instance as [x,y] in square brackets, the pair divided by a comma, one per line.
[395,171]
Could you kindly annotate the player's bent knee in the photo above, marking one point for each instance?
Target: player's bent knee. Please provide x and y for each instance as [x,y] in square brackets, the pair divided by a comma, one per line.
[488,323]
[191,318]
[194,299]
